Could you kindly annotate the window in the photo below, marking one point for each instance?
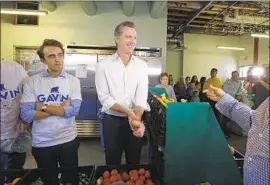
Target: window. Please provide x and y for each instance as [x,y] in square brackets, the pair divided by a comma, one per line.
[22,53]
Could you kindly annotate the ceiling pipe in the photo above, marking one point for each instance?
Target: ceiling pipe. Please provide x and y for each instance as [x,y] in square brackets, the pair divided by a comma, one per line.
[49,5]
[245,19]
[128,8]
[89,7]
[194,17]
[158,8]
[180,8]
[236,7]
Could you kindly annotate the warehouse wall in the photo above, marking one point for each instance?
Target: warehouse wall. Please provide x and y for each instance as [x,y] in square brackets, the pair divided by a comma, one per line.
[70,24]
[202,55]
[246,57]
[173,65]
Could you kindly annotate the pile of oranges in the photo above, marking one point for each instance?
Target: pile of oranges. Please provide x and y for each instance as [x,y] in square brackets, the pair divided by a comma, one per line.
[133,177]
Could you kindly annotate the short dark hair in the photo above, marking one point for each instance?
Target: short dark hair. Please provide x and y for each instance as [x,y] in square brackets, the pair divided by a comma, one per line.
[235,72]
[49,42]
[118,29]
[214,69]
[188,77]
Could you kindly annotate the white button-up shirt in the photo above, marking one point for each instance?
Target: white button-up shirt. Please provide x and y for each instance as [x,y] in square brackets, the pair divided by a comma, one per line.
[125,85]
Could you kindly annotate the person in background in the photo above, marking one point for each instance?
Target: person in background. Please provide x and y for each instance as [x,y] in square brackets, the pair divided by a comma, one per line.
[256,123]
[246,97]
[164,83]
[15,137]
[123,92]
[198,86]
[232,87]
[195,96]
[192,86]
[258,86]
[215,81]
[180,89]
[50,102]
[187,80]
[171,82]
[201,94]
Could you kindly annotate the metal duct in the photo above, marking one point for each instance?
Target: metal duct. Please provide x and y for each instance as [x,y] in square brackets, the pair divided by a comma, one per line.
[158,8]
[128,8]
[173,41]
[89,7]
[49,5]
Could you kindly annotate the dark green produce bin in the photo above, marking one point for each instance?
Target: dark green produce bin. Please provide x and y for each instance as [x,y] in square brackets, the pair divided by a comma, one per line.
[84,174]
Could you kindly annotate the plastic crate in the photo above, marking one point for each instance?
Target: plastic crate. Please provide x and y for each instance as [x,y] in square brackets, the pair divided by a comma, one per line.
[7,176]
[155,177]
[158,119]
[84,174]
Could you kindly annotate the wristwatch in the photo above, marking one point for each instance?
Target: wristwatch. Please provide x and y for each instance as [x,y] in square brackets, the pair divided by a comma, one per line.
[44,107]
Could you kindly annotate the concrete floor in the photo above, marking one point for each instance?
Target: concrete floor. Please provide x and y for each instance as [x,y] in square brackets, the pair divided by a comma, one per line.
[91,152]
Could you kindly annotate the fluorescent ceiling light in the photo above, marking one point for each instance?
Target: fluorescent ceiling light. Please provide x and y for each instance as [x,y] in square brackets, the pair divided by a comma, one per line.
[23,12]
[261,35]
[230,48]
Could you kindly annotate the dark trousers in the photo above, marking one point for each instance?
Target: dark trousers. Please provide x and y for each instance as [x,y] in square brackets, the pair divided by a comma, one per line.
[66,155]
[11,161]
[118,137]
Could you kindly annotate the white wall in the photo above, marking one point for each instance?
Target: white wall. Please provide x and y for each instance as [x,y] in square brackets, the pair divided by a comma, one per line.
[246,57]
[202,55]
[70,24]
[173,62]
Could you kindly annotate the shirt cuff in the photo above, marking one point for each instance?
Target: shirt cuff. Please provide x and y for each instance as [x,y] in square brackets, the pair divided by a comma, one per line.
[108,104]
[29,116]
[223,101]
[27,112]
[73,109]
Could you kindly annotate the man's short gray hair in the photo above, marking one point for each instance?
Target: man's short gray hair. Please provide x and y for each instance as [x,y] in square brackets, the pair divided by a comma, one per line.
[118,29]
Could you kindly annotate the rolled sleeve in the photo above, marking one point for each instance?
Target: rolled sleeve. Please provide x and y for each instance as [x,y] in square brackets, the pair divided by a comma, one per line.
[142,90]
[236,111]
[73,109]
[102,88]
[28,100]
[27,111]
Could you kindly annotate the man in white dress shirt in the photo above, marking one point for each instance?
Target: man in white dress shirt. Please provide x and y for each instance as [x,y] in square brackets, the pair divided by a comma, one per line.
[122,87]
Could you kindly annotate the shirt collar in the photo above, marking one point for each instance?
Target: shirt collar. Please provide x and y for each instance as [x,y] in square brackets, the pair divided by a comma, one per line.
[46,74]
[116,57]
